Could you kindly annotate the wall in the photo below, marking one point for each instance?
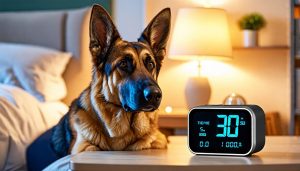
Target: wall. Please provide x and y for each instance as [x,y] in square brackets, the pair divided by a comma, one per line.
[30,5]
[129,16]
[261,76]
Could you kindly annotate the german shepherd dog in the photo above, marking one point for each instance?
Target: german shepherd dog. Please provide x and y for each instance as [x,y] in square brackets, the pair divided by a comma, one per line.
[118,110]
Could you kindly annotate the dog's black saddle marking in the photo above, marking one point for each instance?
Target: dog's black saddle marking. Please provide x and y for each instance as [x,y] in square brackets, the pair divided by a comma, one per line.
[61,137]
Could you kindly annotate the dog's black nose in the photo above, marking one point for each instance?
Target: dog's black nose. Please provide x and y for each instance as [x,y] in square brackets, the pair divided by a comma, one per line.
[152,94]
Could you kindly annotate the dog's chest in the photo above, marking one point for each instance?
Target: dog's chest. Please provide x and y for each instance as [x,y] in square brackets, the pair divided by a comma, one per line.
[141,124]
[125,130]
[120,143]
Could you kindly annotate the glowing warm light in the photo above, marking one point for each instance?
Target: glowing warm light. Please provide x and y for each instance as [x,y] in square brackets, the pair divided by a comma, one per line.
[208,68]
[168,109]
[200,33]
[209,3]
[216,68]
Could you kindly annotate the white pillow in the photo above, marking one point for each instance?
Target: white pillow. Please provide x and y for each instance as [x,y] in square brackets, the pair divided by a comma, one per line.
[38,69]
[8,77]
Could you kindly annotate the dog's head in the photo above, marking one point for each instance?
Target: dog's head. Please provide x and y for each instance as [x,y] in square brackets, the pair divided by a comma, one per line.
[128,70]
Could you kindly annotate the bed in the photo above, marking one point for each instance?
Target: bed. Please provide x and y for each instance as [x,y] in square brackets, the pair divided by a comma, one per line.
[27,106]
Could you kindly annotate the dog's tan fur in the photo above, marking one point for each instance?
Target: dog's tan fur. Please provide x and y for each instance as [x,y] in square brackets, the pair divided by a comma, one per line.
[100,122]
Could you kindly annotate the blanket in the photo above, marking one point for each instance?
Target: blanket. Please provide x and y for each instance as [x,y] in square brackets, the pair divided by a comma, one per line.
[22,119]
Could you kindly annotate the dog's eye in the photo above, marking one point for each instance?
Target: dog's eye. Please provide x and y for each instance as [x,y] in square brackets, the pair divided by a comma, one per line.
[123,64]
[149,63]
[150,66]
[126,64]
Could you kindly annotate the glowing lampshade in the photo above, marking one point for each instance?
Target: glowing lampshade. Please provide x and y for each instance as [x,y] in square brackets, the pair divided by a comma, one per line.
[200,33]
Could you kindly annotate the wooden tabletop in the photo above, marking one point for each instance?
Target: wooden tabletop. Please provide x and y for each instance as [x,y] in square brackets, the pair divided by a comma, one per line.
[281,153]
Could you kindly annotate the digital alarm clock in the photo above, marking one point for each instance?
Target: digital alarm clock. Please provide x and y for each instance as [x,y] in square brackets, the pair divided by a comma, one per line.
[226,130]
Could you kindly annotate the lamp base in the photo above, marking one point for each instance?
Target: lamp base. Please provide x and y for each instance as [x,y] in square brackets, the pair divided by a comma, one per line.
[197,91]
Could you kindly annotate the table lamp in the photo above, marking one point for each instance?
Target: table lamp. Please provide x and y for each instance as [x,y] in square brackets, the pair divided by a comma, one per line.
[200,34]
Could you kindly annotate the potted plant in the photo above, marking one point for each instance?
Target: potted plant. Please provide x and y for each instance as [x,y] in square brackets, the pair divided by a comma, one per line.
[251,24]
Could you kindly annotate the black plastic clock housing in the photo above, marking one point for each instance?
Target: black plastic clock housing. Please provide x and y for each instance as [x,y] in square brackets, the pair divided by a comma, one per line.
[226,129]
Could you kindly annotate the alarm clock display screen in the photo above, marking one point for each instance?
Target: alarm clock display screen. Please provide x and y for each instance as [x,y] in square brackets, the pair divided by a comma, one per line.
[220,131]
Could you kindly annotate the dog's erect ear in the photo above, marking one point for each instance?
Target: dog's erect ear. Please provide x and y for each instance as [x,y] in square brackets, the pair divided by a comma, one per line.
[156,34]
[103,33]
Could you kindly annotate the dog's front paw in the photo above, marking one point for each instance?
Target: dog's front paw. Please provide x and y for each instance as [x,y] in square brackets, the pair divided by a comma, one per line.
[140,145]
[92,148]
[161,141]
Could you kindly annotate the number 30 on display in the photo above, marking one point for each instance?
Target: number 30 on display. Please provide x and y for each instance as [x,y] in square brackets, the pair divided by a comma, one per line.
[227,124]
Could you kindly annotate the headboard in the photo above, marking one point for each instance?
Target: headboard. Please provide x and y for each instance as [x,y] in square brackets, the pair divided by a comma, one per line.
[65,30]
